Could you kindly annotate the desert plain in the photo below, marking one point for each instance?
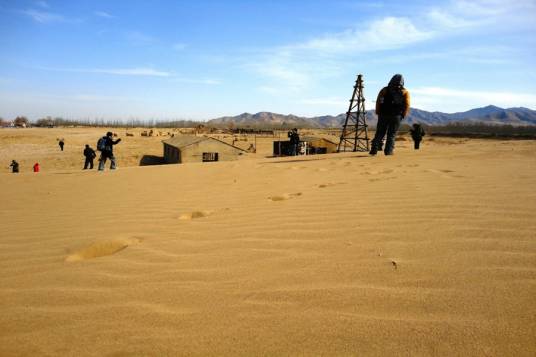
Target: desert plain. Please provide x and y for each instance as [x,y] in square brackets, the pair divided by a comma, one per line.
[424,253]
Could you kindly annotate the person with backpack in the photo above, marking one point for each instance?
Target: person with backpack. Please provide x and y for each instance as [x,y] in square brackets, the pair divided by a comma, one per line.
[106,146]
[392,106]
[89,153]
[417,132]
[61,143]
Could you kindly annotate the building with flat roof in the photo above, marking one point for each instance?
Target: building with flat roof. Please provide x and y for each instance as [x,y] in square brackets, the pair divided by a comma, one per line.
[189,148]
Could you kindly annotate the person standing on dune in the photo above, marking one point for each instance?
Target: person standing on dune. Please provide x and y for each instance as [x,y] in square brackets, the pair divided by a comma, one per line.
[392,105]
[14,167]
[106,146]
[89,153]
[417,132]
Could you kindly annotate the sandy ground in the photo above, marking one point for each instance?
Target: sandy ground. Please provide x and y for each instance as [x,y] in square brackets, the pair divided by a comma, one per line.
[422,253]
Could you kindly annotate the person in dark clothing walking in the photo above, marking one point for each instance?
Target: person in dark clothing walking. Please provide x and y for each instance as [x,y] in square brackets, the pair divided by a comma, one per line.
[89,153]
[392,106]
[61,143]
[14,167]
[294,141]
[106,147]
[417,132]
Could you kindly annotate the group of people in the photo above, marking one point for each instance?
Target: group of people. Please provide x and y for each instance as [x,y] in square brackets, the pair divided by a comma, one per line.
[392,106]
[105,145]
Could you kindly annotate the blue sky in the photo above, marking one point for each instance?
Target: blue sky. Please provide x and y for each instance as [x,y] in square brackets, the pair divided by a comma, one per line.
[203,59]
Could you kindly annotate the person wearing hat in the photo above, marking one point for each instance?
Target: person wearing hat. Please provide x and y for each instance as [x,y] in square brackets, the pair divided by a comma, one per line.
[106,147]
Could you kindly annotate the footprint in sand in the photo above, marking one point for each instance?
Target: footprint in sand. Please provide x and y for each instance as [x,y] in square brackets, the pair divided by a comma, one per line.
[194,215]
[102,249]
[324,185]
[285,196]
[382,172]
[443,173]
[381,179]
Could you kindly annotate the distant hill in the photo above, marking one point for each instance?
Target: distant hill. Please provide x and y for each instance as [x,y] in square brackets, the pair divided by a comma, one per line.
[489,114]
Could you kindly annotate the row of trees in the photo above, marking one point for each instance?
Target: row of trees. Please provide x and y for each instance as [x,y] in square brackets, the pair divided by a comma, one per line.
[20,121]
[477,129]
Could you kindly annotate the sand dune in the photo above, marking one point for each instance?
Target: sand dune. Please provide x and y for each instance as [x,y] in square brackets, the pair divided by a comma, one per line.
[423,253]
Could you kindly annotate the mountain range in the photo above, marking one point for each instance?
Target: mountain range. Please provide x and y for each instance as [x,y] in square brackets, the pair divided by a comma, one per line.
[489,114]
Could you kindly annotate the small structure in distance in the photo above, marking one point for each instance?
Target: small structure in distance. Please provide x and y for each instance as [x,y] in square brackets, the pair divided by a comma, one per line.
[188,148]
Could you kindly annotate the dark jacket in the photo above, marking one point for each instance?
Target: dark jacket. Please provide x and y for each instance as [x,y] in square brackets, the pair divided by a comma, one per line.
[89,153]
[294,137]
[15,166]
[393,99]
[109,146]
[417,132]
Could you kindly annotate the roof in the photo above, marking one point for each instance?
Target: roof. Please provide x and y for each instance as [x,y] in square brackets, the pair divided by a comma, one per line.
[181,141]
[315,138]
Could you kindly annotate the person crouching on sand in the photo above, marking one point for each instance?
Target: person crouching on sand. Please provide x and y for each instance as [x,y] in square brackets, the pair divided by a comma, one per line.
[106,146]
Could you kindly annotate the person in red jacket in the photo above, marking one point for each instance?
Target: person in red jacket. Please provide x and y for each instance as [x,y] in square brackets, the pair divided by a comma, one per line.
[36,167]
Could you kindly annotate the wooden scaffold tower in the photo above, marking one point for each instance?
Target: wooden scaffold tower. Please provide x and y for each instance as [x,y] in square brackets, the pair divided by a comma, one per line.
[354,136]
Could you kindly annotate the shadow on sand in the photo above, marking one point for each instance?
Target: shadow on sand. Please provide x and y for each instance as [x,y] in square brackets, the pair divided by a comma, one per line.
[148,160]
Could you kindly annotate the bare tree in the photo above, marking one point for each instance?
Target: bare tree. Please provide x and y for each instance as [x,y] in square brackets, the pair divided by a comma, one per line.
[21,122]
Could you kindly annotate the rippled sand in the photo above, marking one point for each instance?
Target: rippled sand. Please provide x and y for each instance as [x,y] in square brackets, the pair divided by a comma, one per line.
[423,253]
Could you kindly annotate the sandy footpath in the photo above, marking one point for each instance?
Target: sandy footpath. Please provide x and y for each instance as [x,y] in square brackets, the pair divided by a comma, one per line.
[420,254]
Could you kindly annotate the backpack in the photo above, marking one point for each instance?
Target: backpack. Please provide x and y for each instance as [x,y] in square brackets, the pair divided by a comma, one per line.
[101,144]
[393,102]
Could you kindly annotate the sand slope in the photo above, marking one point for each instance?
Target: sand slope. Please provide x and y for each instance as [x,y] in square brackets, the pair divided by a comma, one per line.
[424,253]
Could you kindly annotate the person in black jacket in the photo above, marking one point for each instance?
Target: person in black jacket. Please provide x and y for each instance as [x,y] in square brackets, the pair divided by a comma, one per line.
[417,132]
[294,141]
[14,167]
[89,153]
[107,151]
[392,105]
[61,143]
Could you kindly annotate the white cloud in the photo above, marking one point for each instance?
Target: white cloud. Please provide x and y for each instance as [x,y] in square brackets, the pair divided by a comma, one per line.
[137,71]
[445,99]
[42,4]
[207,81]
[296,68]
[103,14]
[384,34]
[44,17]
[139,39]
[179,46]
[130,72]
[446,20]
[490,15]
